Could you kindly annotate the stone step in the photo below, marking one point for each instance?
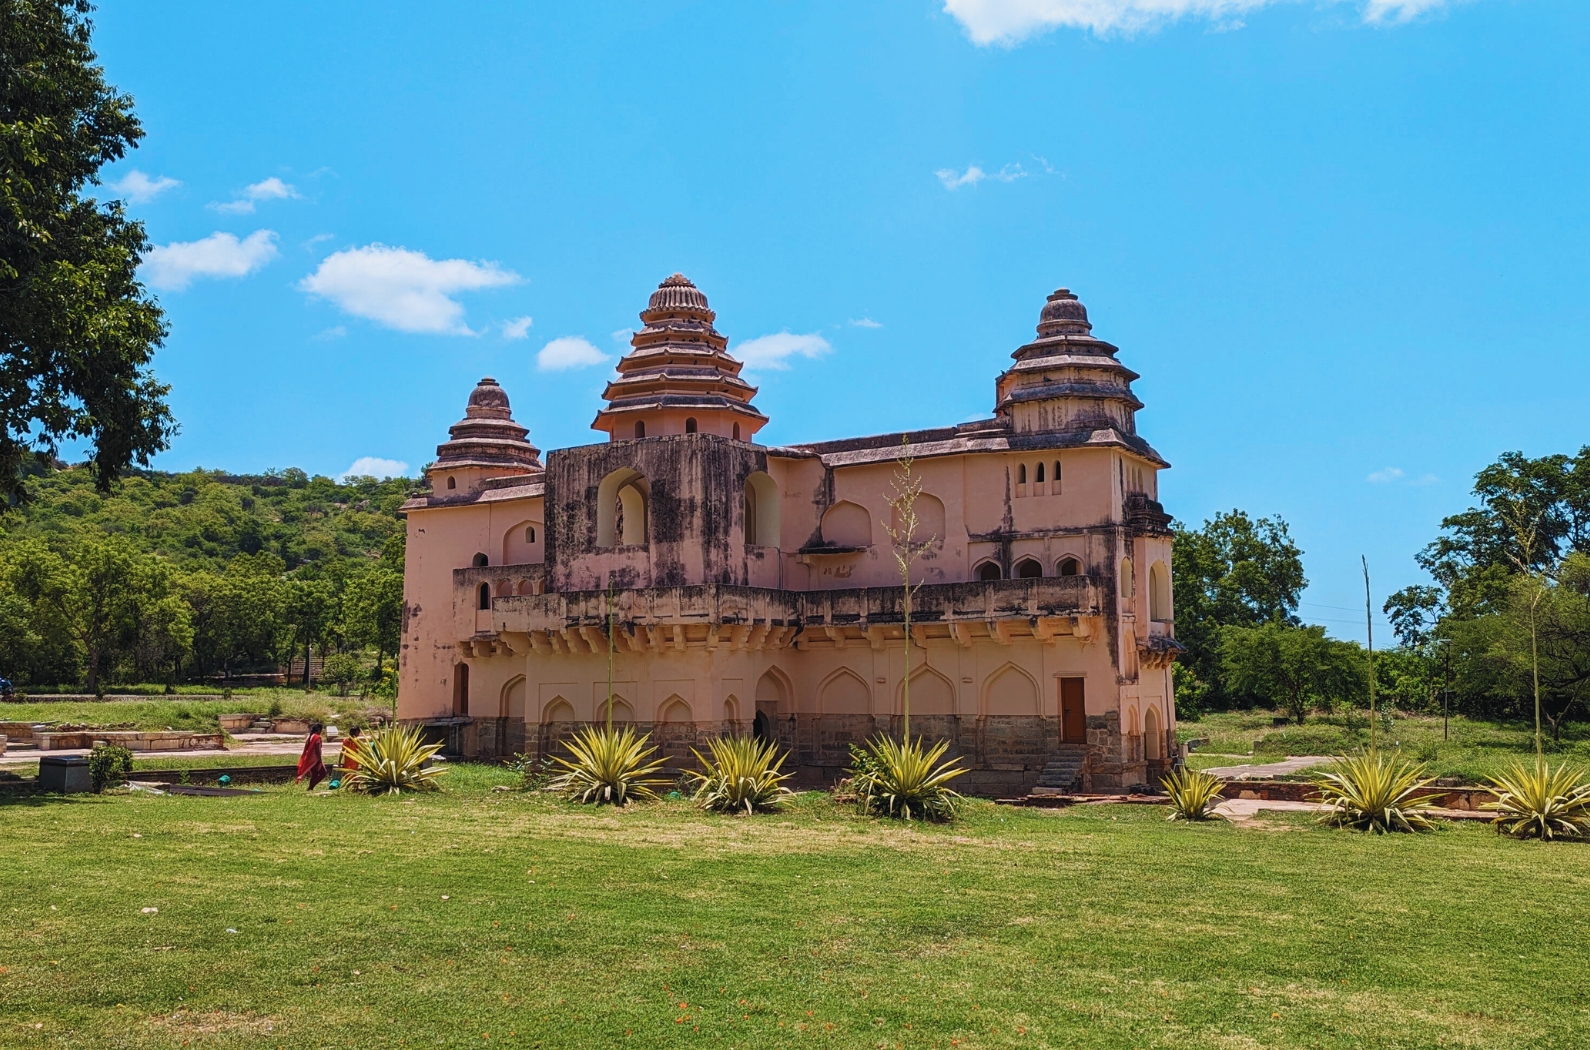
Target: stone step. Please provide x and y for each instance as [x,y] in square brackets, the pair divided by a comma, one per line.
[1063,770]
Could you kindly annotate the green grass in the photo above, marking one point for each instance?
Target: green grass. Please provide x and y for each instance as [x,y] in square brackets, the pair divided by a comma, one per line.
[1474,751]
[197,715]
[473,918]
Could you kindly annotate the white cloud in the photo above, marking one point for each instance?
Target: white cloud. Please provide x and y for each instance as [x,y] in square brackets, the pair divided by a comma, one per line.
[403,289]
[954,180]
[174,266]
[376,467]
[271,189]
[774,351]
[1012,21]
[335,332]
[518,328]
[623,335]
[140,188]
[864,322]
[569,351]
[1389,474]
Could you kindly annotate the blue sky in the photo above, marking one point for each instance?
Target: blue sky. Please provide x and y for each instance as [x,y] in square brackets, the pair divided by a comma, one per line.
[1344,242]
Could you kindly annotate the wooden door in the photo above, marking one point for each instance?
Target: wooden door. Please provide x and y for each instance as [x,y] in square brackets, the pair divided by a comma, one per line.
[1073,713]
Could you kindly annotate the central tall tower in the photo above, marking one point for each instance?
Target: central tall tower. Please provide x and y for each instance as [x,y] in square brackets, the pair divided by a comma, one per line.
[678,377]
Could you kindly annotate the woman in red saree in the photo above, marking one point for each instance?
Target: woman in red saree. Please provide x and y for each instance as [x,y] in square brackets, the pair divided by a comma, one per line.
[310,763]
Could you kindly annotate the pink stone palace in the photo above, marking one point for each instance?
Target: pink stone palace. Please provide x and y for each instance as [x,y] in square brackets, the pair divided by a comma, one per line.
[755,589]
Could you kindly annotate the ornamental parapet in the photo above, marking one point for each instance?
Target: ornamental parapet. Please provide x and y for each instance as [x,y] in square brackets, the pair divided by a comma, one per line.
[711,616]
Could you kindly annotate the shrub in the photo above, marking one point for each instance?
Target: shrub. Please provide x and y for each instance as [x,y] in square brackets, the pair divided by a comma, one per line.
[906,780]
[342,670]
[1191,793]
[392,761]
[608,765]
[1370,792]
[109,764]
[741,774]
[1538,802]
[534,773]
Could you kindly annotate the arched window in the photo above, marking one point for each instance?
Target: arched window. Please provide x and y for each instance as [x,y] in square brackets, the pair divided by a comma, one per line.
[452,482]
[530,534]
[485,596]
[1057,477]
[690,424]
[640,428]
[621,509]
[1021,473]
[1070,567]
[989,570]
[1159,607]
[1029,569]
[761,510]
[460,689]
[736,431]
[480,561]
[1128,584]
[1039,476]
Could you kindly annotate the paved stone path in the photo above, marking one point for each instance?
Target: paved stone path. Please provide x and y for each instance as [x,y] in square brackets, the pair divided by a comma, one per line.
[1270,770]
[264,745]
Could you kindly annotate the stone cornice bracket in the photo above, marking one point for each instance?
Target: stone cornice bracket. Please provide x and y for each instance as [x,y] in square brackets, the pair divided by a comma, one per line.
[1083,628]
[516,642]
[875,637]
[999,631]
[961,633]
[835,635]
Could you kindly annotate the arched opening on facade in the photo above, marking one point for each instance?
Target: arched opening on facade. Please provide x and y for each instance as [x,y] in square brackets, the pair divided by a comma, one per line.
[621,501]
[1038,475]
[1159,595]
[931,693]
[505,589]
[480,561]
[1021,473]
[690,424]
[452,482]
[844,693]
[519,546]
[762,727]
[1010,692]
[761,510]
[1070,567]
[1056,481]
[736,431]
[526,587]
[1128,583]
[1152,744]
[460,688]
[731,712]
[930,526]
[484,601]
[640,428]
[558,710]
[989,570]
[1029,569]
[513,698]
[674,709]
[847,524]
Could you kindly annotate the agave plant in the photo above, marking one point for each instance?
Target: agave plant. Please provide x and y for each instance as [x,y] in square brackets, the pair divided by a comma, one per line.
[1191,793]
[742,773]
[1540,802]
[608,764]
[392,760]
[1371,792]
[907,780]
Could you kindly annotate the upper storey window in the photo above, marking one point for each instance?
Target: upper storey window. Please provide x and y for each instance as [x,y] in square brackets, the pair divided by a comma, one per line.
[621,509]
[480,561]
[452,483]
[1029,569]
[640,428]
[989,570]
[690,424]
[761,510]
[1070,567]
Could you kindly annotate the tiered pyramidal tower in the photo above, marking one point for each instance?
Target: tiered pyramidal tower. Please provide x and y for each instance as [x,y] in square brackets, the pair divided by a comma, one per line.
[678,377]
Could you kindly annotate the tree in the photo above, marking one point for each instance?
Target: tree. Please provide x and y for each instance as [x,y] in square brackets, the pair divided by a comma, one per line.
[308,614]
[1296,668]
[77,331]
[1541,647]
[1233,572]
[373,611]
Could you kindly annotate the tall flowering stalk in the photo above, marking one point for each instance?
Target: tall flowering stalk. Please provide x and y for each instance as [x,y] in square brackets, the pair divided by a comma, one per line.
[905,488]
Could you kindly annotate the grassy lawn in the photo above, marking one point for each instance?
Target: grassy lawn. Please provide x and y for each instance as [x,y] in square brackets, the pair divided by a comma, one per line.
[173,712]
[1474,749]
[473,918]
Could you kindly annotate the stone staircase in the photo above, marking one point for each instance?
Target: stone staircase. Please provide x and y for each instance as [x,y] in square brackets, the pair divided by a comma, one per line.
[1064,770]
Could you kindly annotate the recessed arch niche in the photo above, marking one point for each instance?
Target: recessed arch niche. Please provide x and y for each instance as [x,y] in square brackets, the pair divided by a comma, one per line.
[844,693]
[621,507]
[761,510]
[931,693]
[1011,691]
[847,524]
[521,545]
